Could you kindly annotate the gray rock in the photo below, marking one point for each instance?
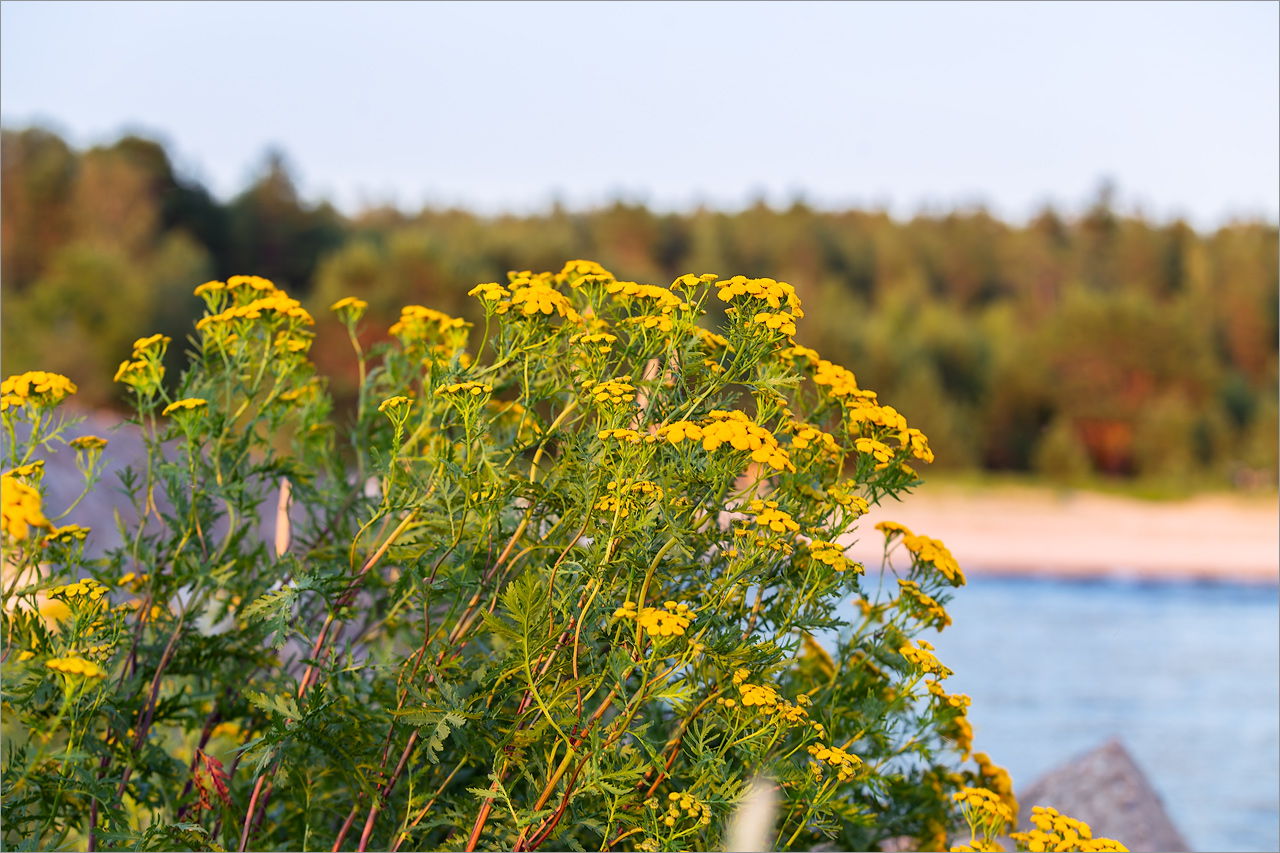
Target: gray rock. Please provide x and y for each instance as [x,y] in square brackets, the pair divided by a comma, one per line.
[1107,790]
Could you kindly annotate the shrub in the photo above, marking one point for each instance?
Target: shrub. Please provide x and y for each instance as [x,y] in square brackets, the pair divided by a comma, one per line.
[576,592]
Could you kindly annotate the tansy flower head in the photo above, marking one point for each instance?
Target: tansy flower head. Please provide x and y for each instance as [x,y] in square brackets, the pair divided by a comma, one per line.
[69,534]
[932,552]
[76,666]
[31,469]
[188,404]
[87,442]
[41,389]
[775,293]
[155,344]
[663,621]
[20,508]
[464,389]
[613,391]
[393,403]
[349,309]
[922,658]
[210,287]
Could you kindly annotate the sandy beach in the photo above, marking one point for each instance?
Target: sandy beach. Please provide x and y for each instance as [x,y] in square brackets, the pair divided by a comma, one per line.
[1010,530]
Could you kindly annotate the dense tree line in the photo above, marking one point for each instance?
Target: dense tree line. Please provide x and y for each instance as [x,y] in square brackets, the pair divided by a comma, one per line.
[1075,347]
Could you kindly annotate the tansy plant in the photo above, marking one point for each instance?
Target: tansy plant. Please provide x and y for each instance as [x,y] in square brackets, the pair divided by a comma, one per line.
[555,585]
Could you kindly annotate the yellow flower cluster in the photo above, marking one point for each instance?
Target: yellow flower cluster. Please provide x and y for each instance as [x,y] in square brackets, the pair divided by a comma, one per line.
[20,508]
[844,763]
[996,778]
[538,299]
[29,471]
[925,550]
[664,300]
[882,452]
[628,497]
[629,436]
[88,588]
[795,352]
[307,391]
[918,442]
[753,695]
[293,341]
[689,281]
[143,371]
[933,552]
[76,666]
[533,294]
[418,323]
[776,293]
[140,374]
[669,620]
[240,289]
[678,431]
[955,700]
[1056,831]
[685,803]
[661,322]
[277,304]
[68,533]
[891,529]
[768,515]
[803,435]
[491,291]
[157,342]
[840,380]
[394,403]
[978,845]
[249,285]
[579,272]
[794,713]
[87,442]
[188,404]
[602,342]
[831,554]
[463,389]
[617,391]
[779,321]
[43,390]
[134,580]
[986,812]
[349,308]
[766,699]
[923,605]
[961,731]
[867,412]
[764,540]
[923,658]
[842,494]
[739,431]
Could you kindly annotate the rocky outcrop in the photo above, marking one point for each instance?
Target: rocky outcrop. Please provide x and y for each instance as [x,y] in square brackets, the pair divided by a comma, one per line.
[1107,790]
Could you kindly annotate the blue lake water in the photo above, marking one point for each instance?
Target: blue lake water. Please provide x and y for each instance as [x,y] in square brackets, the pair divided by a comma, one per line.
[1187,675]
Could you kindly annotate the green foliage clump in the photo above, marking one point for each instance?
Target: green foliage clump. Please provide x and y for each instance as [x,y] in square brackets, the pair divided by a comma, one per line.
[574,591]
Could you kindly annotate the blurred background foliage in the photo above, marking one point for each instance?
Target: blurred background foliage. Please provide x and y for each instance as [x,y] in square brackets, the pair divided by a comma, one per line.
[1088,350]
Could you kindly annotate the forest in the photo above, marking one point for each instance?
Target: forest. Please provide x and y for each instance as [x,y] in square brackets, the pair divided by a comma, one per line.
[1097,349]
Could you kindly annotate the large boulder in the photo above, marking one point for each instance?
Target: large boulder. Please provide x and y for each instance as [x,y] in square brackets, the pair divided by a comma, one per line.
[1107,790]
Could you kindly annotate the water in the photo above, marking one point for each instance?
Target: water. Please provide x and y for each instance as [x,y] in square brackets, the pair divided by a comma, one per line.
[1187,675]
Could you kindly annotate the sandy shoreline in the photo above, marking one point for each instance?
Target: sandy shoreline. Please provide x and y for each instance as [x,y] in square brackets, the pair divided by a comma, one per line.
[1039,532]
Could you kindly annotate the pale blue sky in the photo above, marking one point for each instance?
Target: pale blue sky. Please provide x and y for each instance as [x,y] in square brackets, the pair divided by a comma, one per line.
[506,106]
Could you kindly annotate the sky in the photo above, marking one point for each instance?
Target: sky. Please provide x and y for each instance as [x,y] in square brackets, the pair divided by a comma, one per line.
[908,107]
